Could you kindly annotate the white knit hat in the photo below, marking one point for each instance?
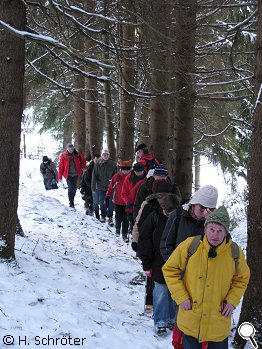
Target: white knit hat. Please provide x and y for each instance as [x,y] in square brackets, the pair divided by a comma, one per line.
[205,196]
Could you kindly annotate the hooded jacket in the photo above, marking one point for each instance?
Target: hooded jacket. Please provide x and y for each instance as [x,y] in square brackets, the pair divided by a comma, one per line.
[207,282]
[115,188]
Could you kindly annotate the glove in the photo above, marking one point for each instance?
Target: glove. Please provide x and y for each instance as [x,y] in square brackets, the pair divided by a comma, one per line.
[134,246]
[107,199]
[148,273]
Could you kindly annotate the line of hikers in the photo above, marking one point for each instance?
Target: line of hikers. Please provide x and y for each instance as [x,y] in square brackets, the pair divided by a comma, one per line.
[196,274]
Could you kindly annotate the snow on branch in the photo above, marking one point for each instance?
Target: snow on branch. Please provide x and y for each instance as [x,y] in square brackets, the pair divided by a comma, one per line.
[239,25]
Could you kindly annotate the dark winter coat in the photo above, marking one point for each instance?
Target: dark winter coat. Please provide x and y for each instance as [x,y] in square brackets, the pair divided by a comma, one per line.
[48,170]
[64,163]
[102,174]
[150,234]
[86,180]
[175,232]
[145,190]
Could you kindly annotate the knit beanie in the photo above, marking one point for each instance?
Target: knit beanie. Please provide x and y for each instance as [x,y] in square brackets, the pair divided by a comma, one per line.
[138,167]
[161,186]
[205,196]
[161,171]
[45,158]
[141,146]
[220,216]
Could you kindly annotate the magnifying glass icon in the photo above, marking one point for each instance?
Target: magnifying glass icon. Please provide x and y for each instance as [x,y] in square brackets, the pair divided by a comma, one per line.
[246,330]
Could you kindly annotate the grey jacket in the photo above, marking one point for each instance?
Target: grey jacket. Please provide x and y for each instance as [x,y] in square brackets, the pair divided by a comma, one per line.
[102,174]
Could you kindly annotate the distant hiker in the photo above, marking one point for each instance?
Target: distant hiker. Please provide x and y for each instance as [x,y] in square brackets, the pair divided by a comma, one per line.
[188,220]
[91,199]
[72,163]
[130,186]
[152,261]
[104,170]
[160,174]
[49,172]
[114,190]
[145,157]
[211,286]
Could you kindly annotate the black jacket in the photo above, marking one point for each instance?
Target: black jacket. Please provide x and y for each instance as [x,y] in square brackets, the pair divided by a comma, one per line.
[150,234]
[179,230]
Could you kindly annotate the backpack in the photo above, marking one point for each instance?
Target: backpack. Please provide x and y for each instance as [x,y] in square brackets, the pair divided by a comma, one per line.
[151,164]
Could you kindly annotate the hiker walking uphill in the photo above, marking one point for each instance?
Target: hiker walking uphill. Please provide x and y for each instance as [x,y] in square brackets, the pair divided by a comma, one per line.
[212,285]
[49,173]
[71,165]
[149,252]
[103,172]
[91,199]
[114,190]
[188,220]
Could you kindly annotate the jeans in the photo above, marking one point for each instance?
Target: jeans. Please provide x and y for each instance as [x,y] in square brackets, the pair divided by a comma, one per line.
[105,212]
[192,343]
[72,187]
[121,220]
[164,307]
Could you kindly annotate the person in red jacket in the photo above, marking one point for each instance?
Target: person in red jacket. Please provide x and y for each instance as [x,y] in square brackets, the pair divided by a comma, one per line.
[71,165]
[114,190]
[130,187]
[145,157]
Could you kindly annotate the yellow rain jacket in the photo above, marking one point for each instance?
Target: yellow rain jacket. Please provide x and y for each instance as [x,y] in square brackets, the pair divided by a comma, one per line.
[207,283]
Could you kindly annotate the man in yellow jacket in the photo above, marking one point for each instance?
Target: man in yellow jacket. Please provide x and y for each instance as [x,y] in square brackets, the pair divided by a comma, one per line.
[212,285]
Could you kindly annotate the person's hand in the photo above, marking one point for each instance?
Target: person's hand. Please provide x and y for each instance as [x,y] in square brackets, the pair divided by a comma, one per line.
[148,273]
[227,309]
[186,305]
[107,199]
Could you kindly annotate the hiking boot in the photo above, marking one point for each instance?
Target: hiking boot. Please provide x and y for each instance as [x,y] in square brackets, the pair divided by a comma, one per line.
[117,232]
[125,238]
[102,219]
[110,222]
[71,204]
[97,215]
[148,308]
[161,331]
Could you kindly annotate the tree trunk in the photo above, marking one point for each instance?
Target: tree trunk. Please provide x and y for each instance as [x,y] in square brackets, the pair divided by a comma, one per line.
[252,307]
[184,94]
[127,102]
[12,66]
[67,131]
[197,171]
[107,95]
[79,113]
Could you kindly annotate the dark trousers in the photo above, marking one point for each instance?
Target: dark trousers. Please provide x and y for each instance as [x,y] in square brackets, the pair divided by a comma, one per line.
[192,343]
[72,187]
[105,212]
[131,222]
[121,220]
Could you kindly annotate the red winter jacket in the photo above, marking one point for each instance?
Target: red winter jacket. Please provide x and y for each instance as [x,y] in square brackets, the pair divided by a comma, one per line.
[148,161]
[129,192]
[64,161]
[115,188]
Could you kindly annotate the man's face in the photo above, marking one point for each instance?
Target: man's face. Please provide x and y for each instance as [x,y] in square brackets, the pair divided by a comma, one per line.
[105,156]
[139,153]
[70,150]
[215,233]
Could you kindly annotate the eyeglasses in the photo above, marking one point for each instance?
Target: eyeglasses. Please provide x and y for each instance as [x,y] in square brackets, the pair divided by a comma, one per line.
[203,208]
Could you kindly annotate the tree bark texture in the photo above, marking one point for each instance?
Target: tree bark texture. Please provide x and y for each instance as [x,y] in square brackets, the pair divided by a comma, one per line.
[127,102]
[251,310]
[79,113]
[184,94]
[12,66]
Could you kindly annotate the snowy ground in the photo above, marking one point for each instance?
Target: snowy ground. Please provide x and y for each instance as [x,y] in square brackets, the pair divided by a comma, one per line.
[70,285]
